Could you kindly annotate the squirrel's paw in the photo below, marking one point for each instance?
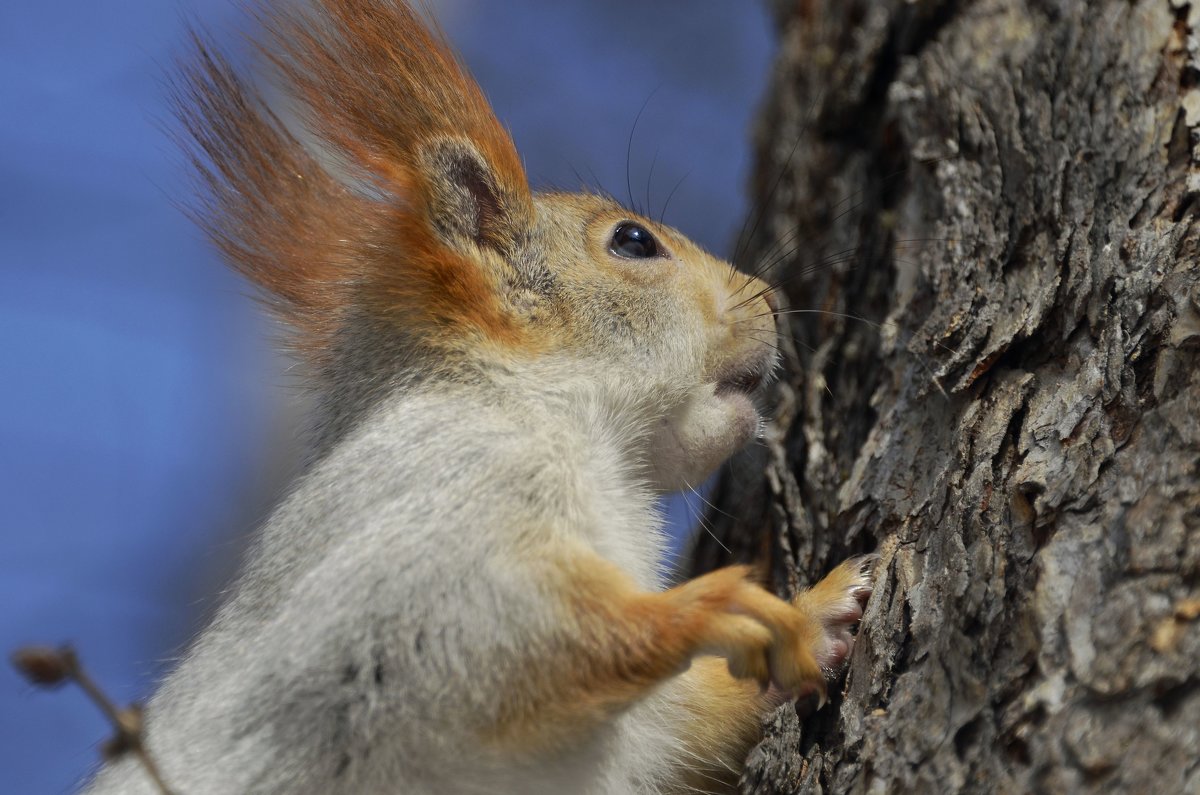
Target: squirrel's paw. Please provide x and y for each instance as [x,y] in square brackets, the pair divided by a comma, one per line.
[836,603]
[727,608]
[833,607]
[795,648]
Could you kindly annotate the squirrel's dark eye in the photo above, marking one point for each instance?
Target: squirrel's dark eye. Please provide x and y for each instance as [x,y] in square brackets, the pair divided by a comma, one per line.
[632,241]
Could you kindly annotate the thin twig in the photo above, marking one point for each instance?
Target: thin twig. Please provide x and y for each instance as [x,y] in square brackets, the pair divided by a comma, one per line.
[50,668]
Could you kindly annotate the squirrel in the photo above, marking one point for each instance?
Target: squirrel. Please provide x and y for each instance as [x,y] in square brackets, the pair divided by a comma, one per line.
[462,593]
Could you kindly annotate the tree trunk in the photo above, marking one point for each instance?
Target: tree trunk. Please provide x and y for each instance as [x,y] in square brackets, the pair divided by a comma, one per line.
[1004,190]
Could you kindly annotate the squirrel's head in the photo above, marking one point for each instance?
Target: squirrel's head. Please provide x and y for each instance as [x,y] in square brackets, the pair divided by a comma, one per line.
[655,318]
[408,244]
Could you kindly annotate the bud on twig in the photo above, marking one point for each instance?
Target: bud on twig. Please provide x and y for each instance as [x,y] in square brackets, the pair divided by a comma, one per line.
[45,667]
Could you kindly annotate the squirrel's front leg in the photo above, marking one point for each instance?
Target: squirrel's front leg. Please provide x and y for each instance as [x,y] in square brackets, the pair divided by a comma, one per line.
[721,715]
[617,643]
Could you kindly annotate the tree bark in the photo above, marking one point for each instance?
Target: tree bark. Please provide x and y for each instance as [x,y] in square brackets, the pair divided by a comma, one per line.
[1004,190]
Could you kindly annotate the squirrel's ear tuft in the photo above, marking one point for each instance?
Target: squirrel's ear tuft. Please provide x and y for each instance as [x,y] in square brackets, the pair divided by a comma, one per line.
[398,202]
[383,89]
[467,200]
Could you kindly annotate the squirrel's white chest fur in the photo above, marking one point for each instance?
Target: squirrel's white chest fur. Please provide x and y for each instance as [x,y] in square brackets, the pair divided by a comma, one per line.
[378,613]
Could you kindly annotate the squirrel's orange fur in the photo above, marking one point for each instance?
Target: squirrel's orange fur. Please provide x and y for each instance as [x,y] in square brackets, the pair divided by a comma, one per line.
[377,87]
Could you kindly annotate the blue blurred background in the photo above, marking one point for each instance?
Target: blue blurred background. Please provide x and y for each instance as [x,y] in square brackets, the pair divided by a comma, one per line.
[145,425]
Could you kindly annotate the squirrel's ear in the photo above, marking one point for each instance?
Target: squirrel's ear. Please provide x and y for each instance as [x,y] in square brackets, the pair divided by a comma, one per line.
[468,200]
[426,175]
[382,89]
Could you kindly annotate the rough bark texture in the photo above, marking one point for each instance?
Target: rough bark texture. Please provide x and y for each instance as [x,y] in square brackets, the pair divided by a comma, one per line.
[1006,190]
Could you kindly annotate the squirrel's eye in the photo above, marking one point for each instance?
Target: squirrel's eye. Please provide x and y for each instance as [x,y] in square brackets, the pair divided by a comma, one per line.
[632,241]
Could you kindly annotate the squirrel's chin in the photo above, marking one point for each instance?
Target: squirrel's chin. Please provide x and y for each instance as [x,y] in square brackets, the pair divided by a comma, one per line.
[708,428]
